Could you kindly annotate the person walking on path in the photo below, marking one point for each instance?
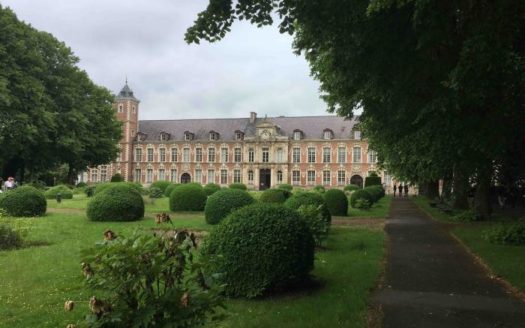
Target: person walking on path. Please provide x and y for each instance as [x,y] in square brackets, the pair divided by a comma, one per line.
[395,189]
[9,184]
[400,190]
[406,190]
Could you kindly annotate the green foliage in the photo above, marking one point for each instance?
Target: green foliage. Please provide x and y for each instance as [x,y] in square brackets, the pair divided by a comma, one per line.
[211,188]
[259,249]
[286,187]
[309,198]
[336,202]
[351,187]
[23,201]
[376,192]
[506,234]
[117,177]
[362,204]
[188,197]
[38,184]
[155,192]
[90,191]
[465,216]
[372,180]
[148,281]
[223,202]
[278,196]
[81,185]
[101,187]
[240,186]
[170,188]
[318,226]
[64,191]
[162,185]
[320,189]
[117,202]
[360,194]
[9,238]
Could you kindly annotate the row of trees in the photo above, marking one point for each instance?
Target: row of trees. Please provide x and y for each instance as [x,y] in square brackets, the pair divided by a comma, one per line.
[51,113]
[440,82]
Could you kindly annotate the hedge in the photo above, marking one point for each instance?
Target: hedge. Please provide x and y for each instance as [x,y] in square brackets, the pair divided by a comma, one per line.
[103,186]
[23,201]
[223,202]
[240,186]
[117,202]
[372,180]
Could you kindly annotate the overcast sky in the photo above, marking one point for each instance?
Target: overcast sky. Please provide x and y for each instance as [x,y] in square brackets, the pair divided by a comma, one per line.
[250,70]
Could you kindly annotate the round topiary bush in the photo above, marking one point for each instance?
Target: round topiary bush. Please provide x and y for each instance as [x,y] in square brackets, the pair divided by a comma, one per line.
[286,187]
[155,192]
[377,192]
[23,201]
[117,178]
[351,187]
[319,189]
[162,185]
[259,249]
[223,202]
[240,186]
[308,198]
[278,196]
[336,202]
[64,191]
[211,188]
[103,186]
[81,185]
[188,197]
[118,202]
[169,189]
[360,194]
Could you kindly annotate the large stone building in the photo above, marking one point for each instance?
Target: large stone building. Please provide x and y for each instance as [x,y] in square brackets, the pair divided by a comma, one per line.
[259,152]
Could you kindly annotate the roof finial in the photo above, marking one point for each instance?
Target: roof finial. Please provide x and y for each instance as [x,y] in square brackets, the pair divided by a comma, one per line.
[126,79]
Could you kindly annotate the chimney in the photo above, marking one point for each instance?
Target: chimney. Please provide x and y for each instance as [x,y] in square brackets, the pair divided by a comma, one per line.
[253,116]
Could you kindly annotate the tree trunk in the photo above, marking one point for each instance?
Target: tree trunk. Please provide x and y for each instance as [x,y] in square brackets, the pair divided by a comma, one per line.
[433,189]
[482,206]
[447,186]
[71,175]
[460,187]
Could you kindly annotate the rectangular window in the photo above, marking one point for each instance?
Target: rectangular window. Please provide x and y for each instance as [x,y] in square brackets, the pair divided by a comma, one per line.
[280,155]
[211,155]
[357,155]
[341,177]
[186,155]
[138,176]
[251,155]
[296,178]
[174,154]
[279,177]
[311,178]
[265,154]
[326,155]
[198,155]
[224,177]
[372,157]
[326,178]
[149,176]
[94,175]
[341,155]
[237,176]
[138,155]
[198,176]
[211,176]
[224,155]
[162,175]
[150,154]
[388,179]
[297,135]
[296,155]
[174,175]
[162,154]
[357,135]
[250,176]
[103,173]
[311,154]
[237,155]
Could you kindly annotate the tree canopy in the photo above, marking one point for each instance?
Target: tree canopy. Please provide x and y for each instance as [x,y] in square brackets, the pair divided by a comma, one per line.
[51,113]
[440,82]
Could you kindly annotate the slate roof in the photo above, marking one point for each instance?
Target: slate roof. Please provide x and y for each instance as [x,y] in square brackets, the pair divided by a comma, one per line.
[126,92]
[311,126]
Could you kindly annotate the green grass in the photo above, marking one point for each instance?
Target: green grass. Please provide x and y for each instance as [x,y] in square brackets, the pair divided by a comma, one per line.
[378,210]
[424,204]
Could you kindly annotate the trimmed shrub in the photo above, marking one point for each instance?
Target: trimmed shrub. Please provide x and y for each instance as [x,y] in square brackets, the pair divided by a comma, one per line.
[308,198]
[155,192]
[259,249]
[117,202]
[351,187]
[372,180]
[362,204]
[278,196]
[9,238]
[211,188]
[103,186]
[376,192]
[23,201]
[506,234]
[90,191]
[38,184]
[360,194]
[64,191]
[336,202]
[188,197]
[320,189]
[286,187]
[240,186]
[313,217]
[117,178]
[170,188]
[223,202]
[81,185]
[162,185]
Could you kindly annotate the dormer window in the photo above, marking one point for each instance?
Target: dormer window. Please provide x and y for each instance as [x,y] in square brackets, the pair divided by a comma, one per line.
[214,135]
[357,135]
[239,135]
[328,134]
[164,136]
[141,136]
[297,135]
[188,136]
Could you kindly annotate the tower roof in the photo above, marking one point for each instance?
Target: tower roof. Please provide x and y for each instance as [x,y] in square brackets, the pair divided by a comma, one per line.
[126,92]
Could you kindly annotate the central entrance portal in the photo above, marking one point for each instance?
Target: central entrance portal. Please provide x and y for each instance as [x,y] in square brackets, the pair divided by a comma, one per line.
[265,179]
[185,178]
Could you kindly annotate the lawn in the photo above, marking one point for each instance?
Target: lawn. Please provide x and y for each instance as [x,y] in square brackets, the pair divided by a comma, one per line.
[378,210]
[35,281]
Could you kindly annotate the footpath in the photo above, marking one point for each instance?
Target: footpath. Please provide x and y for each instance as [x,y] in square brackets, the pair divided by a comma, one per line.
[432,281]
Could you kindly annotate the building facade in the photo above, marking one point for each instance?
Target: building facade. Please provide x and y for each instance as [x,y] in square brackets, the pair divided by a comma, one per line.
[259,152]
